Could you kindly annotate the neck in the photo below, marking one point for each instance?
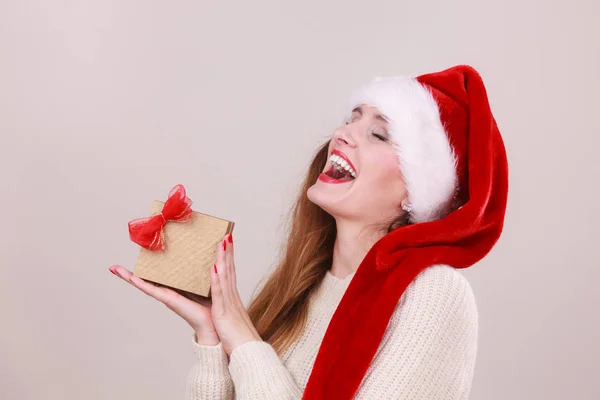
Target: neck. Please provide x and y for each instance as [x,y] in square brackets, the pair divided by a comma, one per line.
[352,243]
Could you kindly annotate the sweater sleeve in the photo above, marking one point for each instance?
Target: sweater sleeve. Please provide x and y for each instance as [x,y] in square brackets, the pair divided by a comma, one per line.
[209,377]
[429,348]
[258,373]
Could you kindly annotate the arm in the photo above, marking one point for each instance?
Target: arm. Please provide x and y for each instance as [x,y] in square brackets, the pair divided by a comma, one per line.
[429,348]
[209,377]
[259,374]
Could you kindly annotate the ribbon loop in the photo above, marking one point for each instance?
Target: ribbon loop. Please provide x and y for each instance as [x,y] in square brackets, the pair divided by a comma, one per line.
[148,231]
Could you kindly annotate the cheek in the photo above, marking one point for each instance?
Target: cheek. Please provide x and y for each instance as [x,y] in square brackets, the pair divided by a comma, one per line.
[386,168]
[385,179]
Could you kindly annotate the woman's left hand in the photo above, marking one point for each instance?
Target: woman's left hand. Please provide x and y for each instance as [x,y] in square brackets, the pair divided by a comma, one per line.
[230,318]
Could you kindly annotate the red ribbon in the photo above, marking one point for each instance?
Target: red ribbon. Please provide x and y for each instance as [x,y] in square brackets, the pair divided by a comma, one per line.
[148,231]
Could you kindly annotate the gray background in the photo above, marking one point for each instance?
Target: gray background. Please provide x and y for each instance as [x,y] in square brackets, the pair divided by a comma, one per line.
[105,105]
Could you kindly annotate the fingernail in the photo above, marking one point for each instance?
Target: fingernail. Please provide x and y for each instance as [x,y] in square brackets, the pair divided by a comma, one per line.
[230,238]
[215,268]
[224,245]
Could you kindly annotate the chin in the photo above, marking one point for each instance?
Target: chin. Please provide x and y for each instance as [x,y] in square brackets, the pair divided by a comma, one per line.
[324,200]
[313,194]
[318,197]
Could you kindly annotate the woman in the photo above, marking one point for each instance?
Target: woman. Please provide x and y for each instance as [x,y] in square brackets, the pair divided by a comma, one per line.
[367,301]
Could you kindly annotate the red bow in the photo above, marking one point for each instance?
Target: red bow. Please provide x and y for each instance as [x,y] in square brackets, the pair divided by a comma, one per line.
[148,231]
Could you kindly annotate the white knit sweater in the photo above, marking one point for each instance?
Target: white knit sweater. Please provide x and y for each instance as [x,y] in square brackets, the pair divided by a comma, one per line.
[428,350]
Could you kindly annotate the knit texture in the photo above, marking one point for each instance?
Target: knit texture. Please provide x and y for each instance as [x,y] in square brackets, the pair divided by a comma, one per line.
[428,350]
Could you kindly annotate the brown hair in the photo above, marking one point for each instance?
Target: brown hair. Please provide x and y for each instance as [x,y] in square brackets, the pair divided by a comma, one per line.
[280,309]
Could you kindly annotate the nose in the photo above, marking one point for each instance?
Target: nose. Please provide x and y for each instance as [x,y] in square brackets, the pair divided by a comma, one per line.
[344,134]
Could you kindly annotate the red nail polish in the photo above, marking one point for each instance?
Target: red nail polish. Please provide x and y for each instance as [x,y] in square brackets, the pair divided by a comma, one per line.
[230,238]
[215,268]
[224,245]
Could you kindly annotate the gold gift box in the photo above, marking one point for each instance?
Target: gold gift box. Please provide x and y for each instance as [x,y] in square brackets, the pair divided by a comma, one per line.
[189,254]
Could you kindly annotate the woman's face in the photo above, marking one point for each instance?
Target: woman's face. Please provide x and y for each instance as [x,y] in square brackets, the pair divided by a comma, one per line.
[377,191]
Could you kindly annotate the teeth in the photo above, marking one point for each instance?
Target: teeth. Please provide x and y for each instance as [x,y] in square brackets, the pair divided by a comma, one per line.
[341,165]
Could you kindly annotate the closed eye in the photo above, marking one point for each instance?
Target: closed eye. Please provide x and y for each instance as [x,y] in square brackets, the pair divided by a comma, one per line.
[378,136]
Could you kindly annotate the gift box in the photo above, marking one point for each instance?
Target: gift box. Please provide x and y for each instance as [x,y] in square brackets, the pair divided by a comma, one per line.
[178,245]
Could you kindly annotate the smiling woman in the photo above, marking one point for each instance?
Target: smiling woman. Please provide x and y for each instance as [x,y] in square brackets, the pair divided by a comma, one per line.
[367,301]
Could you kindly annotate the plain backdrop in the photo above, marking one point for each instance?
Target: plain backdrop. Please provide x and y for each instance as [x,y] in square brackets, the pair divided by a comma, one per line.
[105,105]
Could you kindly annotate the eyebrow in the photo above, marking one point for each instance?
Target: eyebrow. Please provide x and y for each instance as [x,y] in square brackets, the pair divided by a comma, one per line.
[377,116]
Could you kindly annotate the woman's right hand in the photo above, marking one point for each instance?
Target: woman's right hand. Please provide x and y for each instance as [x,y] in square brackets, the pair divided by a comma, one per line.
[194,309]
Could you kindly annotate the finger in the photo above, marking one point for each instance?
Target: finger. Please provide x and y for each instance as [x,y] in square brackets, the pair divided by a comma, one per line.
[121,272]
[231,272]
[229,286]
[160,293]
[223,272]
[216,293]
[231,262]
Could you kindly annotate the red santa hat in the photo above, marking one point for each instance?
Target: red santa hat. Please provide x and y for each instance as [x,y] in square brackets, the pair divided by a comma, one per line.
[451,154]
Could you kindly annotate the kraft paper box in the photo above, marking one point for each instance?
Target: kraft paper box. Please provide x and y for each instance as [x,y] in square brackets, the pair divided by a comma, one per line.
[189,254]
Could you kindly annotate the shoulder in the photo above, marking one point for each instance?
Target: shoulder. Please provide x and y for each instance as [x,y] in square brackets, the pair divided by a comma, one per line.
[441,282]
[430,345]
[440,295]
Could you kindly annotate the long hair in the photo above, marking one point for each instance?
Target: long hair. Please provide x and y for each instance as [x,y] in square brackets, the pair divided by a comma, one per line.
[280,310]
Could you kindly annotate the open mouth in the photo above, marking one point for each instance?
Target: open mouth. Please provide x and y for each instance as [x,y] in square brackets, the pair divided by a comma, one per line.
[338,173]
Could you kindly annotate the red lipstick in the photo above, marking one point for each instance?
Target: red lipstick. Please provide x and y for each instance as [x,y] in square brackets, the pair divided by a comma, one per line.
[339,153]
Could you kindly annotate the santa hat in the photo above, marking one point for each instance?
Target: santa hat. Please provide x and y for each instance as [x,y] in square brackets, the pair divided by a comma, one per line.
[451,153]
[429,130]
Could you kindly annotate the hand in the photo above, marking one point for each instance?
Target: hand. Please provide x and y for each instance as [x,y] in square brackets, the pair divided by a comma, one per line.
[194,309]
[229,315]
